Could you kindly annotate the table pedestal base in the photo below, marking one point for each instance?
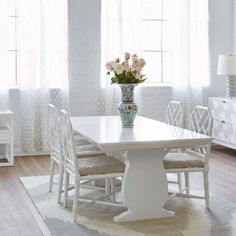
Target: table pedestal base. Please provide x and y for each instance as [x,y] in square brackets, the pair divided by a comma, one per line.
[144,187]
[130,216]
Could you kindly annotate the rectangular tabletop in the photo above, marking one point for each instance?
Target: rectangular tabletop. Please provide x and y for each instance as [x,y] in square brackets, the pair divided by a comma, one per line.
[107,132]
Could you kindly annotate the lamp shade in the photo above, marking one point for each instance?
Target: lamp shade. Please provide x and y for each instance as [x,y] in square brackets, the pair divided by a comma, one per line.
[226,65]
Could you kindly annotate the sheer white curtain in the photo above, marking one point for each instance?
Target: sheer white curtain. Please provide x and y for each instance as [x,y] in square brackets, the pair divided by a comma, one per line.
[121,27]
[190,52]
[42,43]
[4,39]
[42,66]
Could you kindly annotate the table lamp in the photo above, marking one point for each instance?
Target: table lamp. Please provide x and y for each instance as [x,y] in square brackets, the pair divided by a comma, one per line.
[227,66]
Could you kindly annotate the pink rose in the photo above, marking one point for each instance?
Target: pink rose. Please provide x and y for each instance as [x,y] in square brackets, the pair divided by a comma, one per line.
[127,56]
[126,66]
[138,68]
[137,75]
[142,62]
[110,65]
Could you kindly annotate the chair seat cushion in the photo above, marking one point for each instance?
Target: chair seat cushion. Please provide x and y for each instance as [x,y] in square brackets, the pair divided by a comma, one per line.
[4,128]
[88,150]
[81,142]
[182,160]
[100,165]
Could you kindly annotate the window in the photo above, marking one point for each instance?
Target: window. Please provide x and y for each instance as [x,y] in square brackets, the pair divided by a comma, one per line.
[155,39]
[171,42]
[142,27]
[33,48]
[12,42]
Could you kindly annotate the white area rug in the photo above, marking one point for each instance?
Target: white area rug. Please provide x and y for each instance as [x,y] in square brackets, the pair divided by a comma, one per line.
[191,218]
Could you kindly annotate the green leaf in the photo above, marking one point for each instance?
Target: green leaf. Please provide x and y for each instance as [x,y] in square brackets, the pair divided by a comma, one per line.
[141,80]
[114,80]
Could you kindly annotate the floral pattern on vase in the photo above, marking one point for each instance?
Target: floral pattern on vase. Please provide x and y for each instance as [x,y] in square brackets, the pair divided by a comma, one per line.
[127,108]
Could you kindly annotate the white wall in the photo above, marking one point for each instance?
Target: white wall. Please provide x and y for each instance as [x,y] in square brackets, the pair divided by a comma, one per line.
[84,57]
[221,40]
[234,26]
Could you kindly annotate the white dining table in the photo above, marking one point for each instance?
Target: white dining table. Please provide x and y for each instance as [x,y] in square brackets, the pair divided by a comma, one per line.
[144,184]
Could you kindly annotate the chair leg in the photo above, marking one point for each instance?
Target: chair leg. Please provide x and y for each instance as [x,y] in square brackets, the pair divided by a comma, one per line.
[107,186]
[113,189]
[52,168]
[76,199]
[66,184]
[186,174]
[206,188]
[60,183]
[179,176]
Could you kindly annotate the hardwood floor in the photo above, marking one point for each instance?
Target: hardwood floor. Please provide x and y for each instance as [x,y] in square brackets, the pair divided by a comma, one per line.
[223,173]
[17,212]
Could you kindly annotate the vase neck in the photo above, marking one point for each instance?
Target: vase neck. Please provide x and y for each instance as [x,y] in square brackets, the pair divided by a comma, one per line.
[127,92]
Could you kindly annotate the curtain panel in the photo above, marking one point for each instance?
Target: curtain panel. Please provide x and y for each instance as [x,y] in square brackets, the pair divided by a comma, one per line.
[42,77]
[190,53]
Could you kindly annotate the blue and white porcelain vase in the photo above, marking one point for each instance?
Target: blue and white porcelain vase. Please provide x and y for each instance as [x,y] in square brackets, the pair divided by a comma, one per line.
[127,108]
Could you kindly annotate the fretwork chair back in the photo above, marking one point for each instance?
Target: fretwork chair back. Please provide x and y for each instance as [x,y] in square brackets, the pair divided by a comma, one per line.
[99,167]
[194,159]
[174,114]
[83,148]
[200,122]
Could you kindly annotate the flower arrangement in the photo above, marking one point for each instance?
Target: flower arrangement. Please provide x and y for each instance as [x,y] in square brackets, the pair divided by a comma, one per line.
[127,72]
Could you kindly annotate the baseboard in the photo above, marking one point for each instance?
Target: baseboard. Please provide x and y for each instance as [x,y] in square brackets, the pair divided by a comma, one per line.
[34,153]
[225,144]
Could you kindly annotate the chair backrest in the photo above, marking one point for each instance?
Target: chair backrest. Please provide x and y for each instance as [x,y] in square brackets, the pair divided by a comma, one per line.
[201,122]
[68,147]
[174,114]
[54,131]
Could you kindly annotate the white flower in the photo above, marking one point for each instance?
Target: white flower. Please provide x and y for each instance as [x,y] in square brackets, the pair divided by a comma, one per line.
[119,68]
[135,61]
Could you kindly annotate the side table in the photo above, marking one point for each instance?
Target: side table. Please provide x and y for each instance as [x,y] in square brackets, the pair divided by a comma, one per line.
[6,138]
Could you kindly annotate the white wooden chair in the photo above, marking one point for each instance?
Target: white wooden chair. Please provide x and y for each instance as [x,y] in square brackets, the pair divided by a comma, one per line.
[174,116]
[99,167]
[194,159]
[83,148]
